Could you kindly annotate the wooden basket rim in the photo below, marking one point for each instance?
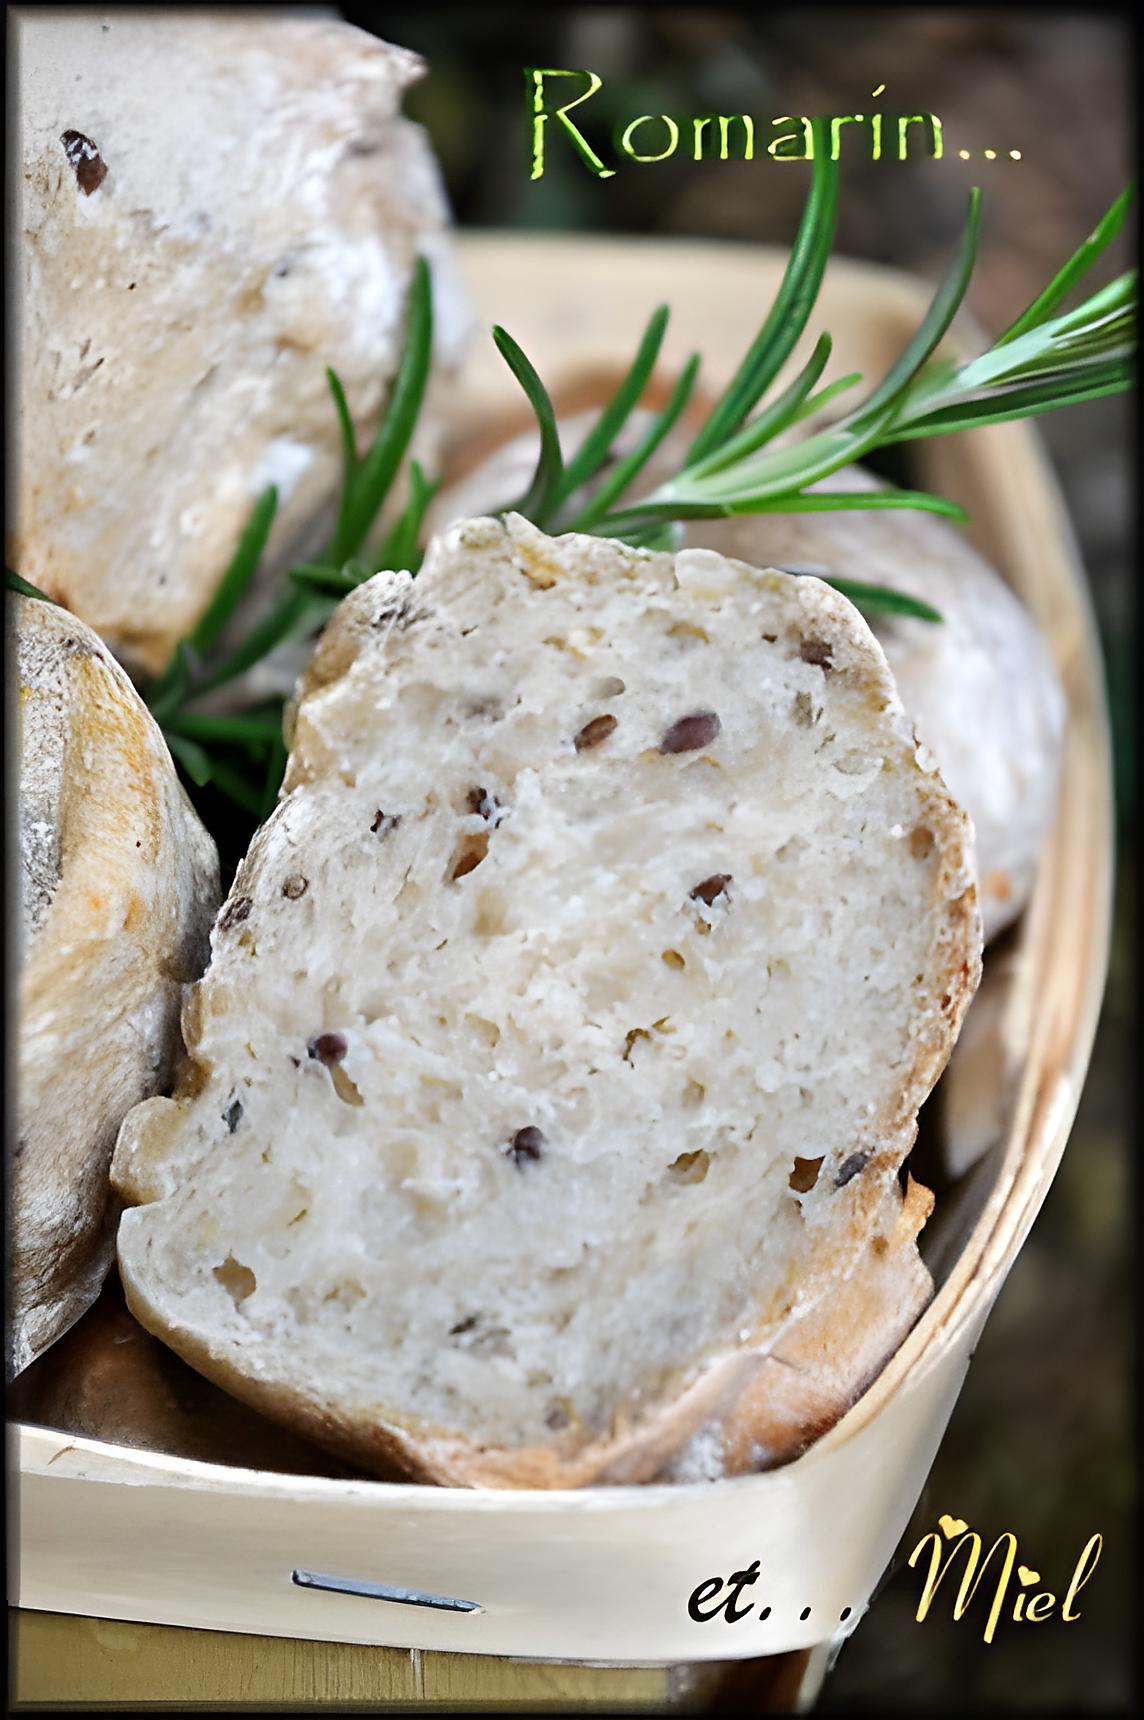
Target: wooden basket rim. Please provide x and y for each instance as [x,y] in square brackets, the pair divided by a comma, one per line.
[1077,867]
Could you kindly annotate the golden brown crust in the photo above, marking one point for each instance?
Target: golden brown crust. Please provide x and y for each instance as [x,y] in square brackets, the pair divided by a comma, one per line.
[113,926]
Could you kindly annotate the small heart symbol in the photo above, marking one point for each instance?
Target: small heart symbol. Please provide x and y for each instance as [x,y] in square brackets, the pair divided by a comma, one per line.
[1028,1576]
[952,1526]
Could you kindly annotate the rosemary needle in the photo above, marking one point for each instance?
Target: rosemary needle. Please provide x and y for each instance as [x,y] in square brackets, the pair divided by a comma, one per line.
[24,587]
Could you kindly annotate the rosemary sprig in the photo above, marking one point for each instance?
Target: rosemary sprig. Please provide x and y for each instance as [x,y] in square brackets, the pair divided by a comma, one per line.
[209,726]
[1047,358]
[1054,361]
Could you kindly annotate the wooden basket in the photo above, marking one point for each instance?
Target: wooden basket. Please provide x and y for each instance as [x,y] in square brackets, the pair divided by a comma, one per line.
[111,1530]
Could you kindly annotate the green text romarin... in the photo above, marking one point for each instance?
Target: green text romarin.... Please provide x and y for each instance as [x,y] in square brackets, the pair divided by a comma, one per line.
[656,137]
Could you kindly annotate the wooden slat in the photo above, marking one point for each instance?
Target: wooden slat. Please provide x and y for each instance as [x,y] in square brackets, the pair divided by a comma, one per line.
[64,1660]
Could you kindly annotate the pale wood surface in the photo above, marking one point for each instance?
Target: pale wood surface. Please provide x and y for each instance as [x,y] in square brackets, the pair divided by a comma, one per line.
[58,1658]
[64,1659]
[577,306]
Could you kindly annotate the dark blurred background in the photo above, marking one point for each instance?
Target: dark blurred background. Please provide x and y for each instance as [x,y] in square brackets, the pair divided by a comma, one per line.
[1042,1440]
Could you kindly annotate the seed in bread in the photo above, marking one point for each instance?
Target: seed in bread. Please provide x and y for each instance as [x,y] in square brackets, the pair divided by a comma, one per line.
[534,1070]
[119,882]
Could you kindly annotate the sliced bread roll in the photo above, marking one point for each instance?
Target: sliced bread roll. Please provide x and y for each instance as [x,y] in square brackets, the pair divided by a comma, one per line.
[567,1024]
[213,206]
[119,883]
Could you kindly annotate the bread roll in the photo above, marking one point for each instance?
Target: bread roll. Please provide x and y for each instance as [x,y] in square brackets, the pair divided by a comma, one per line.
[108,1379]
[981,686]
[212,208]
[119,882]
[566,1026]
[981,1085]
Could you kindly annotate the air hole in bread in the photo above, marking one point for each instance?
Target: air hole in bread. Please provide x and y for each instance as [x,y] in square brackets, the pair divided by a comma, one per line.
[486,805]
[490,918]
[793,849]
[804,1175]
[816,651]
[921,842]
[674,959]
[710,889]
[478,1334]
[468,854]
[236,1279]
[857,762]
[690,1167]
[486,1030]
[688,631]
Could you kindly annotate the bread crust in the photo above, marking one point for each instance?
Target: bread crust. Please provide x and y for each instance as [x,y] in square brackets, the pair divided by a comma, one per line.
[120,882]
[755,1409]
[748,1388]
